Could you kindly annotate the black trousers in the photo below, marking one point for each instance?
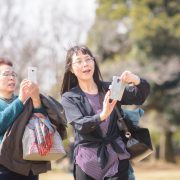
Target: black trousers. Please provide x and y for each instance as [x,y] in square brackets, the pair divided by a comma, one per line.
[122,173]
[6,174]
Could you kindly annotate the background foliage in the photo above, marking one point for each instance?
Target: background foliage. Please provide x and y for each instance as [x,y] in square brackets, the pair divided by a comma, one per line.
[144,36]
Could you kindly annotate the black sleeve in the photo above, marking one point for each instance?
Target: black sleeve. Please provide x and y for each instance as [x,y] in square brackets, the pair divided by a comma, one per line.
[136,94]
[83,124]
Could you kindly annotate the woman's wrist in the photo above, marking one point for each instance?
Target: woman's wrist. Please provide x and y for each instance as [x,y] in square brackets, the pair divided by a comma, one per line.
[137,81]
[21,99]
[36,102]
[102,116]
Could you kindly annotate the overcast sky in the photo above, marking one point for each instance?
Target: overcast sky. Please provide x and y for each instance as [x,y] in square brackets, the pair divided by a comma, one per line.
[36,15]
[39,10]
[33,20]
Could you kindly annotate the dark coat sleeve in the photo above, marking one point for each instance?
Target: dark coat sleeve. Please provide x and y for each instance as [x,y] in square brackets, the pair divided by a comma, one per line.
[136,94]
[81,122]
[55,113]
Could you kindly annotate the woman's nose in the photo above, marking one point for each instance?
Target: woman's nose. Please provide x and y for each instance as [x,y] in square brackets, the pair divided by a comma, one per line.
[85,63]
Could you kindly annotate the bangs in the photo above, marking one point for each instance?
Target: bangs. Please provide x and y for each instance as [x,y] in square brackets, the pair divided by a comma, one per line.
[81,49]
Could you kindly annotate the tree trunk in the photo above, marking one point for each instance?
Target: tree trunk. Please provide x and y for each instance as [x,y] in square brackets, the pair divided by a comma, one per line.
[166,147]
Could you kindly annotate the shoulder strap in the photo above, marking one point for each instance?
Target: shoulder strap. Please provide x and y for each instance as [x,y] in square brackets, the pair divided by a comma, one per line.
[121,123]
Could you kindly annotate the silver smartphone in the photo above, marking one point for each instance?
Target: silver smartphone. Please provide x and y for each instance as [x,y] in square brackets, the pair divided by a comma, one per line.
[32,74]
[117,88]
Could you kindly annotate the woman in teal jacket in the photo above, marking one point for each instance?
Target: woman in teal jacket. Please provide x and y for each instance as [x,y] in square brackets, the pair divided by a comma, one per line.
[11,106]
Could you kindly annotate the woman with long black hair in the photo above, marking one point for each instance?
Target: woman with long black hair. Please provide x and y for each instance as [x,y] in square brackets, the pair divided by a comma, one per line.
[100,152]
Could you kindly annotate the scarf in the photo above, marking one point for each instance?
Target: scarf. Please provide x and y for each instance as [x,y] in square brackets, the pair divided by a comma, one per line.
[43,132]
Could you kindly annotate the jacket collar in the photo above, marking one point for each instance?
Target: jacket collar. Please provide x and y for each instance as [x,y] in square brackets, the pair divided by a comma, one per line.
[81,100]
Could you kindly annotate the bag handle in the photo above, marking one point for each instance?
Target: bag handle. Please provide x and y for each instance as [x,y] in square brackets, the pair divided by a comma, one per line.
[123,124]
[120,118]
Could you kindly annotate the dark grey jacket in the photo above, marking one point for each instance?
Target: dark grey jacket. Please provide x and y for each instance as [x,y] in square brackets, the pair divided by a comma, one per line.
[81,116]
[11,154]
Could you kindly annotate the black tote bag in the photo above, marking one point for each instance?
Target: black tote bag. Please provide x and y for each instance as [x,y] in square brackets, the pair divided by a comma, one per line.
[137,139]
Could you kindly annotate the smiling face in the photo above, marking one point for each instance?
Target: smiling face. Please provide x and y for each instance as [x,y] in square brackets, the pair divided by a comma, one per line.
[7,80]
[82,66]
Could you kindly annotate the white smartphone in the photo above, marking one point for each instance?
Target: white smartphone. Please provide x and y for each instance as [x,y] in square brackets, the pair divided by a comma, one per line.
[32,74]
[117,88]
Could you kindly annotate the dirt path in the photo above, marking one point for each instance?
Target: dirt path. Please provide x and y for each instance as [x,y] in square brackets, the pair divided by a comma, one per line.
[56,176]
[140,175]
[142,172]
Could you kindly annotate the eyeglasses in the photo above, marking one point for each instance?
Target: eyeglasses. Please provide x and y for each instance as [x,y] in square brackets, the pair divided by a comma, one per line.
[8,74]
[80,63]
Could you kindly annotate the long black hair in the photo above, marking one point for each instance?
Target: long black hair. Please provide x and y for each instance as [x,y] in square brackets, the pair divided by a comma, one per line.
[69,79]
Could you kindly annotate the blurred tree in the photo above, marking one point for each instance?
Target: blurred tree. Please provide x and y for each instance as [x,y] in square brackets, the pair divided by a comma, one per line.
[26,47]
[37,33]
[147,31]
[152,27]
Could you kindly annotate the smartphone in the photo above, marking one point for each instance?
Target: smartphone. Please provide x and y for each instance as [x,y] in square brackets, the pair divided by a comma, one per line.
[32,74]
[117,88]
